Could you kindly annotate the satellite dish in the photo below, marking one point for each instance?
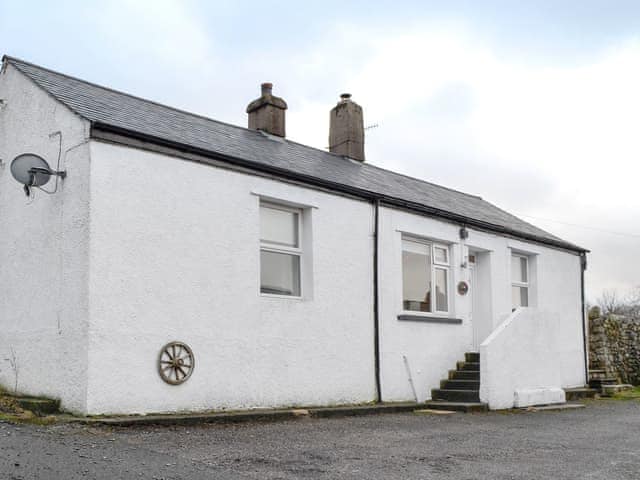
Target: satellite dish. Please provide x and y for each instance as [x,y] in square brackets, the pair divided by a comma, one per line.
[32,170]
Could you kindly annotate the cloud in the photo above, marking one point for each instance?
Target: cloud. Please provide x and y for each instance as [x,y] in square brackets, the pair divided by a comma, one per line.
[556,142]
[159,49]
[161,31]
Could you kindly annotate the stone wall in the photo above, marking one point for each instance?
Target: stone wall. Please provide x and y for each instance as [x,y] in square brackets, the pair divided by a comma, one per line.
[614,346]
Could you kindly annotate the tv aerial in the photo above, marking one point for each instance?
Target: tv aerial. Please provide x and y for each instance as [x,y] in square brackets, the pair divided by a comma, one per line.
[32,170]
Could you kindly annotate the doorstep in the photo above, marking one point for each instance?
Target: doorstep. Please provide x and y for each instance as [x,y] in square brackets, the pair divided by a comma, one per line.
[247,415]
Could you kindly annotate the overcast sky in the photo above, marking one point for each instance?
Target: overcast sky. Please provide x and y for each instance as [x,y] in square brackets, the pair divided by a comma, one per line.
[534,105]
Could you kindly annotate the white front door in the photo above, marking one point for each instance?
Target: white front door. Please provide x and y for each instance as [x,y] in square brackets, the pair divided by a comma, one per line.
[475,311]
[480,302]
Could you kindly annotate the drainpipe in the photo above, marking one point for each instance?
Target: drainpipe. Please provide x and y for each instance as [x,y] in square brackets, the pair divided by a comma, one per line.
[583,268]
[376,313]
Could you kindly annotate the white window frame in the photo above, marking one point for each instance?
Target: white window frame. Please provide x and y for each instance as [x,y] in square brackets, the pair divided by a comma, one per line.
[518,283]
[267,246]
[434,266]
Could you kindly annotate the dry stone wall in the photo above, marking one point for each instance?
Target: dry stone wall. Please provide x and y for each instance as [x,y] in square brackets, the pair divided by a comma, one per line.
[614,346]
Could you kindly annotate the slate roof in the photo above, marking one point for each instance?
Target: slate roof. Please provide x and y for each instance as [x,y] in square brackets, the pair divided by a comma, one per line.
[106,107]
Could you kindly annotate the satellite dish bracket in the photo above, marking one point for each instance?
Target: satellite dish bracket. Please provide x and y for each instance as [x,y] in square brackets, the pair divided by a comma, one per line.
[62,174]
[42,171]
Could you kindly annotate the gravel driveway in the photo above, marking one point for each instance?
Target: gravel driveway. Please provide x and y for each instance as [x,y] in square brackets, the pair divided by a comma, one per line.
[601,441]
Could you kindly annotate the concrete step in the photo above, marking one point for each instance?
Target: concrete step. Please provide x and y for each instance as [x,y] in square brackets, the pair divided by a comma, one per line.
[610,390]
[464,375]
[475,366]
[256,415]
[598,383]
[460,384]
[467,407]
[597,374]
[472,357]
[455,395]
[580,392]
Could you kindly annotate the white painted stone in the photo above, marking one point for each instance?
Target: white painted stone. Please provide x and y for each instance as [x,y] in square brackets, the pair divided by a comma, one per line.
[525,397]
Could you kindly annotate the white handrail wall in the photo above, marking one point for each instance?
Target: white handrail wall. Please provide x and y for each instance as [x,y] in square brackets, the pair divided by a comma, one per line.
[520,361]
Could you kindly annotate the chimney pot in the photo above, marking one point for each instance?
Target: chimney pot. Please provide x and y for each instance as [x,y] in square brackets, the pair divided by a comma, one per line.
[267,113]
[346,129]
[267,87]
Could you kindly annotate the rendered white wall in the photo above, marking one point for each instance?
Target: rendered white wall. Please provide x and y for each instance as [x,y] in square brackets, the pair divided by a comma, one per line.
[175,256]
[43,249]
[526,360]
[433,349]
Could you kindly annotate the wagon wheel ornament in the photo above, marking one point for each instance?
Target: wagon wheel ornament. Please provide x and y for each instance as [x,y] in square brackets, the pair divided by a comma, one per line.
[175,363]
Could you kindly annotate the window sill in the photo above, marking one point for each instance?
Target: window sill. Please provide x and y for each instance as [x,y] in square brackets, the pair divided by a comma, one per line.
[429,319]
[274,295]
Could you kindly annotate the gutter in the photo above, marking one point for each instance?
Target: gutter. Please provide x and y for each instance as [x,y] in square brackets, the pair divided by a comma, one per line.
[119,135]
[376,296]
[583,268]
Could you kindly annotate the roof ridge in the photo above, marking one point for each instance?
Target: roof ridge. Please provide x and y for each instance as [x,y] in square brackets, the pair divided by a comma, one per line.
[120,92]
[99,104]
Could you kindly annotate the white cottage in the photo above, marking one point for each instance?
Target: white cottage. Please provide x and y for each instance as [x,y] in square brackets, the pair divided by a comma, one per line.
[290,276]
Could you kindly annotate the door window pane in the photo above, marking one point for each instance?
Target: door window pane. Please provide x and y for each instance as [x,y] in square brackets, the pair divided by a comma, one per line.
[278,227]
[519,297]
[442,293]
[440,254]
[519,269]
[279,273]
[416,276]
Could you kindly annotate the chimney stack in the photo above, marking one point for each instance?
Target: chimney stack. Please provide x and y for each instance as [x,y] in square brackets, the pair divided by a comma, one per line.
[267,112]
[346,129]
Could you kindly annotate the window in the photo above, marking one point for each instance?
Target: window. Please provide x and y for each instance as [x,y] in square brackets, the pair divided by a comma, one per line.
[280,251]
[519,281]
[425,276]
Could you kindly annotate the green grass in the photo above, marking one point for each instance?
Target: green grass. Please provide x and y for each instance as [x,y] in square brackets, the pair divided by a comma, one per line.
[30,419]
[633,394]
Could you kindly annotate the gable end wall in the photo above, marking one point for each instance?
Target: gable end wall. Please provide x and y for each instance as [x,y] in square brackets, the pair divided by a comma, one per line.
[43,249]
